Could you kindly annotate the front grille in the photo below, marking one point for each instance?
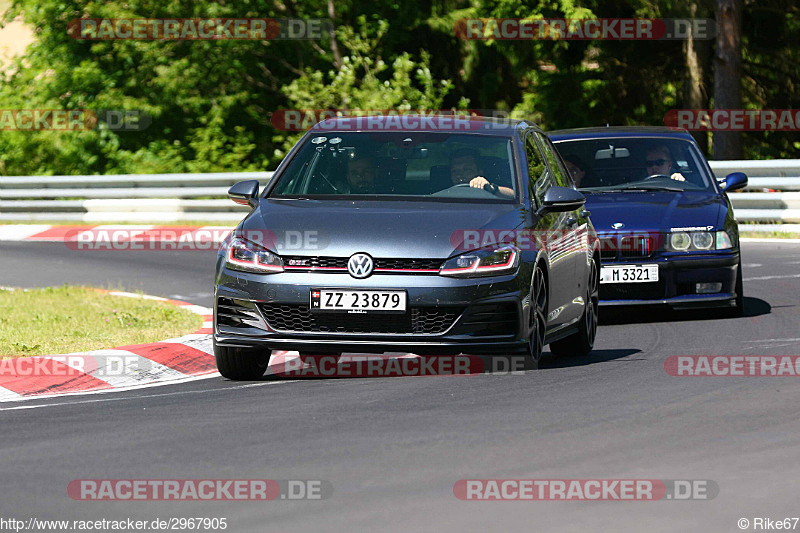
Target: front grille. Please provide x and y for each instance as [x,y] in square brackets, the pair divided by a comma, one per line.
[490,319]
[419,320]
[316,262]
[608,249]
[340,263]
[633,291]
[409,264]
[638,246]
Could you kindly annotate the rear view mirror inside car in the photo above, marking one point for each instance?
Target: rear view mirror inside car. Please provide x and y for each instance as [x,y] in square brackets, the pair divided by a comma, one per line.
[612,153]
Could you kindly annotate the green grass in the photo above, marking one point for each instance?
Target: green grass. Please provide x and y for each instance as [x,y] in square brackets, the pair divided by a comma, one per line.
[56,320]
[768,234]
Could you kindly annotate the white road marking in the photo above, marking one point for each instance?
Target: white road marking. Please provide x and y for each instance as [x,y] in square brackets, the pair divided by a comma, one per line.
[752,265]
[761,278]
[775,340]
[20,232]
[179,393]
[105,391]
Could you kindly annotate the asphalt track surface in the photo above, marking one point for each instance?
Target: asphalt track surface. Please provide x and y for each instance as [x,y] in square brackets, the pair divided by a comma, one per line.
[394,447]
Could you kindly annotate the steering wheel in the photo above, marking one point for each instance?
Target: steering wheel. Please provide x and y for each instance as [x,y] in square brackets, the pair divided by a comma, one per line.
[487,187]
[656,176]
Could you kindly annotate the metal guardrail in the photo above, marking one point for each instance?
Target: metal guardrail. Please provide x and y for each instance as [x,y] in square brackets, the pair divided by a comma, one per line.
[160,198]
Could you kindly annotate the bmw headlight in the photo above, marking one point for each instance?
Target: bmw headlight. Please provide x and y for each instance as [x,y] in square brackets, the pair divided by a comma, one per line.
[498,259]
[680,241]
[250,257]
[702,240]
[683,241]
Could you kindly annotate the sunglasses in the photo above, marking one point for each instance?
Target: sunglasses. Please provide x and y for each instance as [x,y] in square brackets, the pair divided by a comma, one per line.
[656,162]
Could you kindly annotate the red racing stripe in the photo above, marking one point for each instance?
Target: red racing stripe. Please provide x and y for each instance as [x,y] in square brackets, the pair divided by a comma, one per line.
[180,357]
[57,233]
[33,376]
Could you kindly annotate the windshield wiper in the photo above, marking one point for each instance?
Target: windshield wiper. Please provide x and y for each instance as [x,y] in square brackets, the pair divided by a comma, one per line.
[653,188]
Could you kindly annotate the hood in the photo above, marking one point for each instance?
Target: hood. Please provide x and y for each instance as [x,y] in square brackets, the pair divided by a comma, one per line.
[657,211]
[402,229]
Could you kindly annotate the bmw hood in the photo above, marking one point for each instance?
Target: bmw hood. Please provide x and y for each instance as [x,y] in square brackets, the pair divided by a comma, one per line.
[655,211]
[340,228]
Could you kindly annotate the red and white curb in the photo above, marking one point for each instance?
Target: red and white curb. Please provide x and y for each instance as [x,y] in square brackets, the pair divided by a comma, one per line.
[170,361]
[114,234]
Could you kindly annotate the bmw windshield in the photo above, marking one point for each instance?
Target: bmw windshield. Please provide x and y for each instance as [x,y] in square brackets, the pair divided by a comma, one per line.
[625,164]
[401,165]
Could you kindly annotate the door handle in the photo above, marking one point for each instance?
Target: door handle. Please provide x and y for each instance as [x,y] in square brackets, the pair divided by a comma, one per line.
[586,213]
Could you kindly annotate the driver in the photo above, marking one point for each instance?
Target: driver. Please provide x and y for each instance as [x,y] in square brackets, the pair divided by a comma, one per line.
[658,161]
[361,175]
[464,169]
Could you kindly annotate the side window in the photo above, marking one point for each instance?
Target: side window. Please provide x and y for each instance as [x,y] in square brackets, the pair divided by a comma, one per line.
[561,177]
[540,179]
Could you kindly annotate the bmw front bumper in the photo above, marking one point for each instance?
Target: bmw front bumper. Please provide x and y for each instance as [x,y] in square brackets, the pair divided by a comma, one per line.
[678,277]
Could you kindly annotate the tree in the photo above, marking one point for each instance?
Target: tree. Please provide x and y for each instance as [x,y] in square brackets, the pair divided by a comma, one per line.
[728,74]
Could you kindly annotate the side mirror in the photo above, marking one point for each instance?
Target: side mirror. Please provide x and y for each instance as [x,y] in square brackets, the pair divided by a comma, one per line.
[733,182]
[245,193]
[561,200]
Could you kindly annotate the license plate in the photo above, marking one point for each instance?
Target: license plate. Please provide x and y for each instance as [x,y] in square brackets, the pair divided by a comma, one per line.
[629,274]
[359,301]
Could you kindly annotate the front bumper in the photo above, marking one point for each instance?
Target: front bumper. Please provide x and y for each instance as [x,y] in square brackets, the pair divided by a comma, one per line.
[678,275]
[246,305]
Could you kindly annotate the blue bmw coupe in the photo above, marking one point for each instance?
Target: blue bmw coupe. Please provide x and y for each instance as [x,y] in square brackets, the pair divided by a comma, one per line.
[666,226]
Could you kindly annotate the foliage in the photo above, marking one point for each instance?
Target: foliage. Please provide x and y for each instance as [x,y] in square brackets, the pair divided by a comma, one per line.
[211,101]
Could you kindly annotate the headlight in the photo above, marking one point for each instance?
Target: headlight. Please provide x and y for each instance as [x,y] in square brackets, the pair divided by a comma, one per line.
[250,257]
[698,240]
[680,241]
[485,262]
[702,240]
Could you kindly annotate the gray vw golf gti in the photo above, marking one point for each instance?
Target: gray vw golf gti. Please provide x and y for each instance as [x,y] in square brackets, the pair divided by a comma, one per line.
[427,236]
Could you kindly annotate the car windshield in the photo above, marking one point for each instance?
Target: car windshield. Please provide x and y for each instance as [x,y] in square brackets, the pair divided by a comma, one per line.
[635,164]
[390,165]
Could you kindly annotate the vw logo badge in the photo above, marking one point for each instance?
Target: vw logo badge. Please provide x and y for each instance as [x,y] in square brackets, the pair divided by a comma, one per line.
[359,265]
[617,225]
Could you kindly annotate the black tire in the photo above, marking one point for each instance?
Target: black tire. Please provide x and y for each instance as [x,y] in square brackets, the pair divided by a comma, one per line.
[537,318]
[738,309]
[581,343]
[241,364]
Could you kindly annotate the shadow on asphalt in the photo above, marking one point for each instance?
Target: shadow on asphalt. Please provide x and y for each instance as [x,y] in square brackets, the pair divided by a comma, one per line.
[595,357]
[476,364]
[753,307]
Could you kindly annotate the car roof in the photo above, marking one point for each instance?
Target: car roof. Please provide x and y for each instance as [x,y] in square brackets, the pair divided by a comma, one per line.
[477,125]
[620,131]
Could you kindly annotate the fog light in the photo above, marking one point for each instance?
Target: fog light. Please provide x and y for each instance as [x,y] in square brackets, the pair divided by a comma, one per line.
[707,288]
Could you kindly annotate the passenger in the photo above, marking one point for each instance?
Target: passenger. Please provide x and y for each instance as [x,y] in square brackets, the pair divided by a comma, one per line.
[576,168]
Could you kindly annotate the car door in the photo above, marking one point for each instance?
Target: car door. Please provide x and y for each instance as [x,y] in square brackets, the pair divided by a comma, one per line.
[549,231]
[575,227]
